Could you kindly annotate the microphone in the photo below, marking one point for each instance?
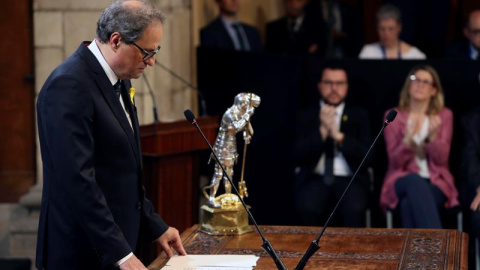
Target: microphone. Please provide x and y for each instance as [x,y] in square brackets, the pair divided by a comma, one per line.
[190,117]
[155,114]
[266,245]
[390,117]
[314,245]
[203,105]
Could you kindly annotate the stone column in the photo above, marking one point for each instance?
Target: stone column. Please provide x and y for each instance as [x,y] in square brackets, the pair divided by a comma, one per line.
[48,51]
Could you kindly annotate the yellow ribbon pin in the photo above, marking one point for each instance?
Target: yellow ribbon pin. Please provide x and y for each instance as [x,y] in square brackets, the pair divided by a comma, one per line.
[345,118]
[132,93]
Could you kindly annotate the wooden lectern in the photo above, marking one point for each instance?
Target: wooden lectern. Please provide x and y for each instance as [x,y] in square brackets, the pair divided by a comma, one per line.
[171,158]
[341,248]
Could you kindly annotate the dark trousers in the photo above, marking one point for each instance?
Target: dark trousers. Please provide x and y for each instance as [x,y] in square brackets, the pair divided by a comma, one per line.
[317,201]
[472,227]
[420,202]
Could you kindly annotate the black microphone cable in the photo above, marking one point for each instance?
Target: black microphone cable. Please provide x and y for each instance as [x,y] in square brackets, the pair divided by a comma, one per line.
[155,113]
[203,105]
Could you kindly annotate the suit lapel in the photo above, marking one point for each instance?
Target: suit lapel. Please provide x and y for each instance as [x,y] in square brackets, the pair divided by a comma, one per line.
[111,98]
[345,119]
[118,111]
[225,36]
[133,115]
[285,33]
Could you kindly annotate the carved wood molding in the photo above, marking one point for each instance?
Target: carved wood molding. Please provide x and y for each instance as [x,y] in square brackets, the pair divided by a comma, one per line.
[422,250]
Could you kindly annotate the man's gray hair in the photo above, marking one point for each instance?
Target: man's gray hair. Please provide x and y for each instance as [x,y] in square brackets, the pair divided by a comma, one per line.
[389,11]
[130,21]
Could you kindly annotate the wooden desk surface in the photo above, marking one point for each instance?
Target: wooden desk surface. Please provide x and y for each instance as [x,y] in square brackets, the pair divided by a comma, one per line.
[341,248]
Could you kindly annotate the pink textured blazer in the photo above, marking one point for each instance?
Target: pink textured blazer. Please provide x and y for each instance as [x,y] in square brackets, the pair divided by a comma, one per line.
[401,159]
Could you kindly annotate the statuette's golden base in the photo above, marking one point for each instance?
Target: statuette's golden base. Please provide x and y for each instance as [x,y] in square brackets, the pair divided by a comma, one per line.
[230,219]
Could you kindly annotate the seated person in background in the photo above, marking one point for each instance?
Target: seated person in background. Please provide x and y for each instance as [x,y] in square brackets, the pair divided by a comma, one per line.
[344,27]
[389,26]
[470,48]
[418,183]
[227,32]
[297,32]
[332,140]
[471,176]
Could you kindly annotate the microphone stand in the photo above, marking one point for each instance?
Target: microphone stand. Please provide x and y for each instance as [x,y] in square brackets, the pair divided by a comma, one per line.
[266,244]
[203,105]
[155,113]
[314,245]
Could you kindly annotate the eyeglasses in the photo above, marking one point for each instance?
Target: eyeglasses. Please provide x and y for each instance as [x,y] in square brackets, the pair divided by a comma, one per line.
[147,54]
[331,83]
[414,79]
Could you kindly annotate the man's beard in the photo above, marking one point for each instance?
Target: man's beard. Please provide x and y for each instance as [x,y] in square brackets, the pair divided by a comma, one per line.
[230,13]
[335,104]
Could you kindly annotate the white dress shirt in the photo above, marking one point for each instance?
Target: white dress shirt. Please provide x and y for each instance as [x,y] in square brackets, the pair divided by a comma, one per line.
[340,165]
[93,47]
[297,23]
[374,51]
[418,139]
[233,34]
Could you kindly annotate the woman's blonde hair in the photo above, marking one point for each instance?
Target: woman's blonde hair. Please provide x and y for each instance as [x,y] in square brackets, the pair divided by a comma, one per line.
[437,102]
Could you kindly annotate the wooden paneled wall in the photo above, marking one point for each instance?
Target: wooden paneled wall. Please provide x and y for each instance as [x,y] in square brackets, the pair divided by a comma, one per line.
[17,146]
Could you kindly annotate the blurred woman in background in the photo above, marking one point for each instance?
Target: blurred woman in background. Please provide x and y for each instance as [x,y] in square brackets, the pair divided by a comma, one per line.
[389,26]
[418,184]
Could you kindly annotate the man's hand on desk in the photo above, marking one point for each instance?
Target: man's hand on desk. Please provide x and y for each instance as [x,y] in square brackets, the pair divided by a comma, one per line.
[171,239]
[132,264]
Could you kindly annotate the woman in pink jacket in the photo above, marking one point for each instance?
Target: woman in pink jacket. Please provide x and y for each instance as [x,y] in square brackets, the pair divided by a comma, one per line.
[418,184]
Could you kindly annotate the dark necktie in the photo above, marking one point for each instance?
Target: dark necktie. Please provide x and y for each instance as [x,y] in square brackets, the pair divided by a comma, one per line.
[328,177]
[118,87]
[291,25]
[291,29]
[240,38]
[127,104]
[122,91]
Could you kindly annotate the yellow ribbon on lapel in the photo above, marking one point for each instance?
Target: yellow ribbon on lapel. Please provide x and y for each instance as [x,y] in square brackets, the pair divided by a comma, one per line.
[132,93]
[345,118]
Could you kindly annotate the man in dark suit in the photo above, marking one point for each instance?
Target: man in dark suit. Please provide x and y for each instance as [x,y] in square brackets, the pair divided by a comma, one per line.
[332,140]
[93,205]
[470,47]
[470,186]
[344,27]
[228,33]
[298,33]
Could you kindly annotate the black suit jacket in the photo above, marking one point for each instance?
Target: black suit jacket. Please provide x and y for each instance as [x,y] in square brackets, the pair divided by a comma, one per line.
[470,167]
[280,41]
[93,201]
[458,50]
[309,145]
[351,43]
[215,36]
